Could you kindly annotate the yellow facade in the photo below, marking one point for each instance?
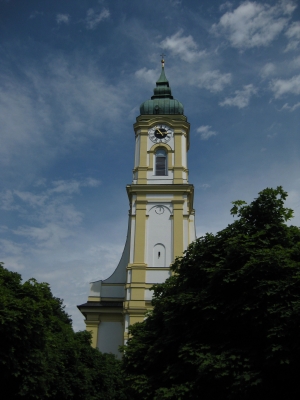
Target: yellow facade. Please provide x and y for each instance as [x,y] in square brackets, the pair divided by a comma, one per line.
[161,222]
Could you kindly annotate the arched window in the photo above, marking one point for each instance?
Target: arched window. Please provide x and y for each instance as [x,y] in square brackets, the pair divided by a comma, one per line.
[161,163]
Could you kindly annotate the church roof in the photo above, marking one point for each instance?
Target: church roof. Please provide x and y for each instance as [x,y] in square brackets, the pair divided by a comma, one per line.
[162,102]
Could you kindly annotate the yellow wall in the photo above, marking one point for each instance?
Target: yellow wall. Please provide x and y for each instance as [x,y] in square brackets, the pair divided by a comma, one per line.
[180,192]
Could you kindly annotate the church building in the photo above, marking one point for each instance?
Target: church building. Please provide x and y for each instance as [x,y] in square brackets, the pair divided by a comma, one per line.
[161,221]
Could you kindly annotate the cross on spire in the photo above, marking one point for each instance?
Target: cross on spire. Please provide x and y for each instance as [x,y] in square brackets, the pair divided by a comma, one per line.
[162,60]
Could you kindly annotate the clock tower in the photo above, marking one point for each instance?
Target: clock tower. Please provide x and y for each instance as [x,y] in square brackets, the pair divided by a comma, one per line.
[161,221]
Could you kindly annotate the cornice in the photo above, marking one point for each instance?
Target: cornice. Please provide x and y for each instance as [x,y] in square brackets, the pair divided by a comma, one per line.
[159,188]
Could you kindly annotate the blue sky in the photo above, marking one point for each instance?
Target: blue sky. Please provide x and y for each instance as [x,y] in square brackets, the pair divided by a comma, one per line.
[72,77]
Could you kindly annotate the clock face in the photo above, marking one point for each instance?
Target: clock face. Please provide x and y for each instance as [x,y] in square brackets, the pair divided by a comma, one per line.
[160,133]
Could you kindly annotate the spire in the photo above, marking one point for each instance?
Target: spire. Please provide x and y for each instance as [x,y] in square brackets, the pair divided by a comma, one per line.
[162,80]
[162,102]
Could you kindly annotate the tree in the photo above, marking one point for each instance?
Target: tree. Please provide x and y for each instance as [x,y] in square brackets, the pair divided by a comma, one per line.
[40,355]
[227,324]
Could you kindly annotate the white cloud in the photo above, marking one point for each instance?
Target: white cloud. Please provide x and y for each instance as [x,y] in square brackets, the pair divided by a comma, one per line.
[41,182]
[204,186]
[290,108]
[294,31]
[34,14]
[253,24]
[281,87]
[183,46]
[293,202]
[267,70]
[206,132]
[12,254]
[91,182]
[241,98]
[10,248]
[67,187]
[50,214]
[7,201]
[52,109]
[227,5]
[93,19]
[148,75]
[32,199]
[62,18]
[296,63]
[48,236]
[293,34]
[73,186]
[21,120]
[175,2]
[213,81]
[52,242]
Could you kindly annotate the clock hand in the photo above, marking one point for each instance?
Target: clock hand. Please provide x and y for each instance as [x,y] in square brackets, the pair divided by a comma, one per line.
[162,133]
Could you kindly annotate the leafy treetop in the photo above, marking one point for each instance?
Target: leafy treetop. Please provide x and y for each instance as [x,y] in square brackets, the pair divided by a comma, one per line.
[40,355]
[227,324]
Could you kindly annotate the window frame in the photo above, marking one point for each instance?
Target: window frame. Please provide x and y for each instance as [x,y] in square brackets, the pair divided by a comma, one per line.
[161,153]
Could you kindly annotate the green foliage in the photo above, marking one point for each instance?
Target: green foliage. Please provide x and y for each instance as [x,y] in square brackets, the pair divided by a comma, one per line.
[40,355]
[227,324]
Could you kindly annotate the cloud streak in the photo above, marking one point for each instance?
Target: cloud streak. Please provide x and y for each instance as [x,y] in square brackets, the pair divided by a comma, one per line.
[63,18]
[214,81]
[52,108]
[148,75]
[293,34]
[50,214]
[93,19]
[182,46]
[206,132]
[241,98]
[253,24]
[281,87]
[290,108]
[267,70]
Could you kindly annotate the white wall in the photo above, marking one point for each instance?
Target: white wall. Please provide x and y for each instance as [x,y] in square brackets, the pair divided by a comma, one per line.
[159,235]
[157,276]
[110,336]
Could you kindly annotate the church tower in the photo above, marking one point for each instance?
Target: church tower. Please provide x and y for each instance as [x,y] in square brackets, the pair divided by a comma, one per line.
[161,221]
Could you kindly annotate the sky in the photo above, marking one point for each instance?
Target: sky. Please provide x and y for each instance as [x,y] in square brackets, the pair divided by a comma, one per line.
[73,74]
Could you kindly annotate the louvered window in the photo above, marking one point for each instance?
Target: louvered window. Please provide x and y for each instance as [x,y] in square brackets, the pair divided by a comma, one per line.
[160,163]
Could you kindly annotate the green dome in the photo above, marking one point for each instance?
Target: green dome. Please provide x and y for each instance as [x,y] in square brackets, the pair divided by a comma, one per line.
[162,102]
